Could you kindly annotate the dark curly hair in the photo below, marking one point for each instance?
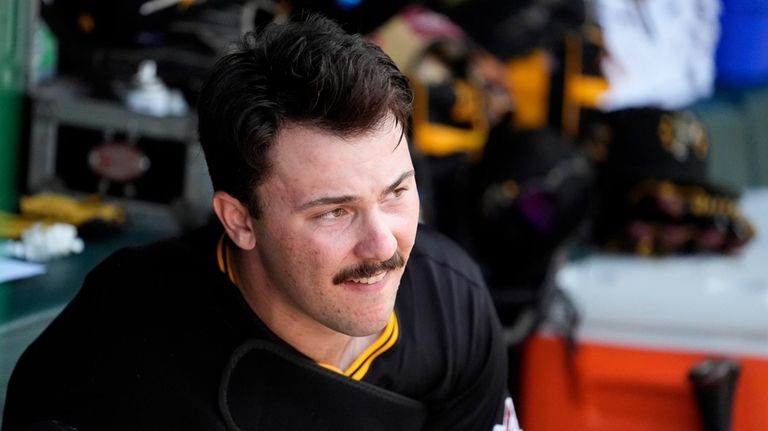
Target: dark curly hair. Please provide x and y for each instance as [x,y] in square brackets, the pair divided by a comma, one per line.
[308,72]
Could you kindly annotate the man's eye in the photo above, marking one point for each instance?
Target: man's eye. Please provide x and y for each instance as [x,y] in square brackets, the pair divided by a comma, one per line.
[332,214]
[399,192]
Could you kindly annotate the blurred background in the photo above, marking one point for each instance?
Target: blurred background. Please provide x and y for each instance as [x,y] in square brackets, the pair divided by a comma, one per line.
[605,161]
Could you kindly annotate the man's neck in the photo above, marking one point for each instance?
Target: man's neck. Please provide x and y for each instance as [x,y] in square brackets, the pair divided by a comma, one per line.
[355,347]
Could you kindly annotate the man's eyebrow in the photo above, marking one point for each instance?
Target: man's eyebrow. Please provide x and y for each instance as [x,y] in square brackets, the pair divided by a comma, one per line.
[343,199]
[392,187]
[328,200]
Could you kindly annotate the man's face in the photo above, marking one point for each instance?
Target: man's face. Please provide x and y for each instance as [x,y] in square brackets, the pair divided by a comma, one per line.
[338,223]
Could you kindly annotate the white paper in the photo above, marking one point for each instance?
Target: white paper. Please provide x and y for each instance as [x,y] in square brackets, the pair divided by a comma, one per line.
[13,269]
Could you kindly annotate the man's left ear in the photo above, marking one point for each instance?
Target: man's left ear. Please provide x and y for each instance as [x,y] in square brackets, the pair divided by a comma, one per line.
[235,218]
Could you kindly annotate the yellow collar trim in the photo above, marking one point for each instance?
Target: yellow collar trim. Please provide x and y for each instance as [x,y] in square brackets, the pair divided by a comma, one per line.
[220,254]
[360,366]
[224,257]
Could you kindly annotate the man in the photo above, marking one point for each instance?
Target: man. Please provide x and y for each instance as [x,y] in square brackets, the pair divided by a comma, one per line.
[298,310]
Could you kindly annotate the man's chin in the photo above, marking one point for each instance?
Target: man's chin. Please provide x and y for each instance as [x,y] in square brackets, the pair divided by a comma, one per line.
[373,310]
[371,326]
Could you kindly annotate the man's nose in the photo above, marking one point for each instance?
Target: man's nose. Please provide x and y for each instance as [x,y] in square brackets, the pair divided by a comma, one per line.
[377,240]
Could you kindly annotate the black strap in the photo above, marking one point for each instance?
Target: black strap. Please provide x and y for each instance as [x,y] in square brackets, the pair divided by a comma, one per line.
[269,387]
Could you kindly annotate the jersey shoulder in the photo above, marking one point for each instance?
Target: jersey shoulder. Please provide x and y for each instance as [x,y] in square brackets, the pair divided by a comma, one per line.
[436,251]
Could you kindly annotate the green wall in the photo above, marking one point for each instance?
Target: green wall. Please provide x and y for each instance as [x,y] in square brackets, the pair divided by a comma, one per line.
[14,34]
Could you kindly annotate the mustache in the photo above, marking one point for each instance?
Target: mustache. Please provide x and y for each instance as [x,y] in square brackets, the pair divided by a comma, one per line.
[368,269]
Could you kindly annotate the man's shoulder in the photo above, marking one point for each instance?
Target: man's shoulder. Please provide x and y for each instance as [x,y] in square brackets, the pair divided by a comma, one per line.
[437,251]
[169,271]
[184,253]
[141,324]
[441,279]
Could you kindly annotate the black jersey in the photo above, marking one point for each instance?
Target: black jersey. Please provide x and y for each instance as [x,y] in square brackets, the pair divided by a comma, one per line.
[147,340]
